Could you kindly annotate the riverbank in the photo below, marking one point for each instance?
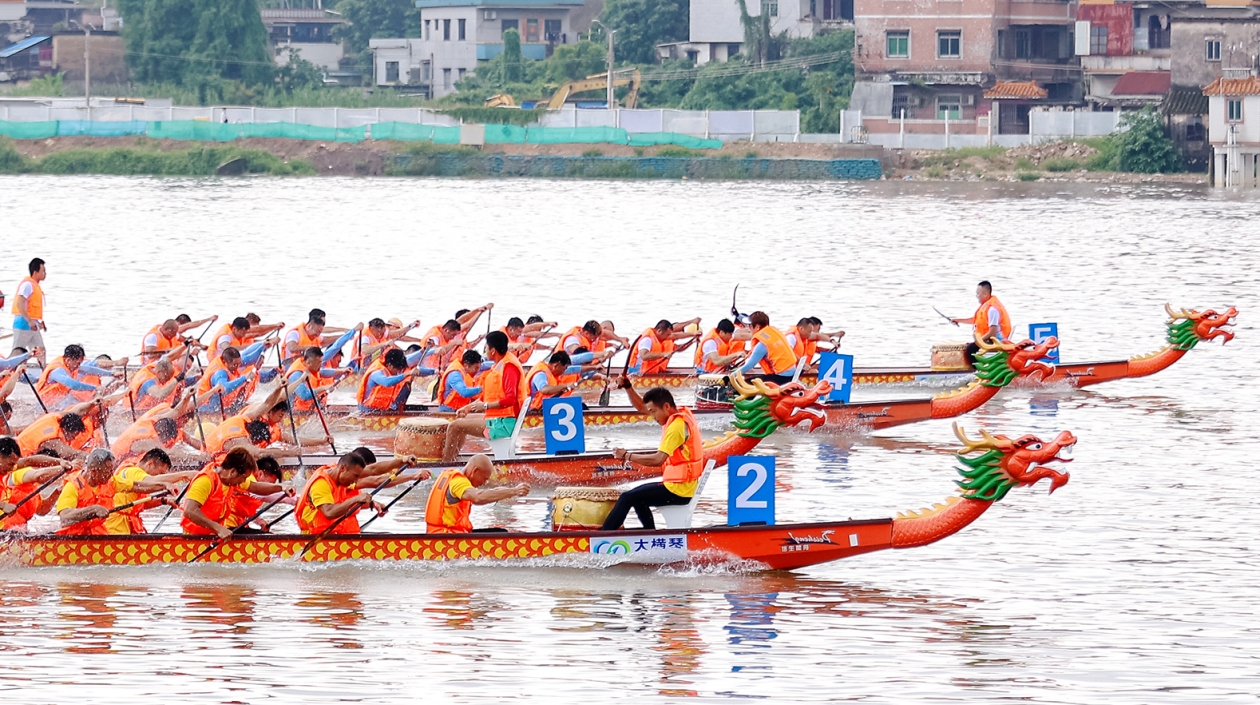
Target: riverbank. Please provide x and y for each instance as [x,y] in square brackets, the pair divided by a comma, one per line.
[1077,161]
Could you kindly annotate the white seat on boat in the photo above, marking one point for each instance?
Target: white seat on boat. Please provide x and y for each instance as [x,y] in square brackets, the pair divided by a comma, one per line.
[678,516]
[504,448]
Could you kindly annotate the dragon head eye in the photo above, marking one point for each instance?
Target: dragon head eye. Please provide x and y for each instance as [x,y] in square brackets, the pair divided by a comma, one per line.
[1034,446]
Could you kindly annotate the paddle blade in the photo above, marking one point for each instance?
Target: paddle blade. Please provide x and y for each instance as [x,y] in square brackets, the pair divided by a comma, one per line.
[603,397]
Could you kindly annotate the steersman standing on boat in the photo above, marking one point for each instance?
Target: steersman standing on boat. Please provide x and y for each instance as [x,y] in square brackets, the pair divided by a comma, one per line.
[992,322]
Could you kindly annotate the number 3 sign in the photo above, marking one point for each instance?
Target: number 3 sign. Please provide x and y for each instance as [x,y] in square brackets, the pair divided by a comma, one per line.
[563,425]
[750,490]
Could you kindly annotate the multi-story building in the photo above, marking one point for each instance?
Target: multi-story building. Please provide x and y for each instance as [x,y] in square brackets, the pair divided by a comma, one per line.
[1126,52]
[456,34]
[1234,128]
[716,33]
[307,32]
[933,61]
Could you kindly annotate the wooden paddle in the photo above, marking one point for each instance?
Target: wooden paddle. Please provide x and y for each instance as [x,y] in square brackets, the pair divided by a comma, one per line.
[34,494]
[123,508]
[219,542]
[320,412]
[603,396]
[8,430]
[178,500]
[938,311]
[345,516]
[33,389]
[288,402]
[130,397]
[392,502]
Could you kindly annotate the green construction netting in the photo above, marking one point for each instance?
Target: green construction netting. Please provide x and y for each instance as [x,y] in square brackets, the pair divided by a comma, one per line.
[28,130]
[571,135]
[226,132]
[647,139]
[505,134]
[410,132]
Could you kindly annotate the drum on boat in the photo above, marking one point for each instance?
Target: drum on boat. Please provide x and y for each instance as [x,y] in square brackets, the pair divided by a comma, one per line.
[581,508]
[421,437]
[950,357]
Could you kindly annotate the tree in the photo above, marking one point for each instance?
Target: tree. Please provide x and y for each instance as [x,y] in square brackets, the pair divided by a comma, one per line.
[196,42]
[642,24]
[374,19]
[512,60]
[1144,146]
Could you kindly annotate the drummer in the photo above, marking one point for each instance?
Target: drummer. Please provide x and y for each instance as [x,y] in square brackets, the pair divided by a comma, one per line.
[992,322]
[449,510]
[500,401]
[680,454]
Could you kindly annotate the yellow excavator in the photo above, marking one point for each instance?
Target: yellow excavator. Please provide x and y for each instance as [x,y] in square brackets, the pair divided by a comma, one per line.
[591,83]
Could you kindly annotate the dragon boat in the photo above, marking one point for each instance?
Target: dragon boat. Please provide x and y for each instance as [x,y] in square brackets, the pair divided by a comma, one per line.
[990,468]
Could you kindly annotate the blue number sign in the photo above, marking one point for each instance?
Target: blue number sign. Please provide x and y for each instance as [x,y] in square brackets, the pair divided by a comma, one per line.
[750,490]
[837,370]
[1039,332]
[563,425]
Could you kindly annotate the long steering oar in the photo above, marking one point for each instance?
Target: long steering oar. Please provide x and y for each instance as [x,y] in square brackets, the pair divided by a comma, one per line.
[35,493]
[219,542]
[938,311]
[343,517]
[115,510]
[392,502]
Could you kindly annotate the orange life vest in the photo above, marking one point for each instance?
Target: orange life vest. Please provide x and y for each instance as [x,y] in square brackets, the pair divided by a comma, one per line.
[442,517]
[449,397]
[679,468]
[382,396]
[317,523]
[597,345]
[101,495]
[148,401]
[723,348]
[142,430]
[45,428]
[492,389]
[367,340]
[527,382]
[230,430]
[803,349]
[982,318]
[53,392]
[780,358]
[217,506]
[130,518]
[163,343]
[304,341]
[34,302]
[232,398]
[16,493]
[300,404]
[658,346]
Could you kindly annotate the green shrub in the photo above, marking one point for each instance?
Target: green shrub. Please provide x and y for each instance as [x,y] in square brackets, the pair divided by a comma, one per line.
[1027,176]
[199,161]
[1024,164]
[494,116]
[1145,147]
[751,155]
[639,151]
[934,172]
[11,162]
[1060,165]
[675,151]
[592,153]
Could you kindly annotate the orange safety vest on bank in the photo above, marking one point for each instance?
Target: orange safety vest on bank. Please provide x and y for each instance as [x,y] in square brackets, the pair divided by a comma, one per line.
[678,468]
[780,358]
[34,302]
[723,348]
[448,396]
[442,517]
[982,318]
[217,506]
[492,388]
[101,496]
[312,520]
[382,396]
[658,346]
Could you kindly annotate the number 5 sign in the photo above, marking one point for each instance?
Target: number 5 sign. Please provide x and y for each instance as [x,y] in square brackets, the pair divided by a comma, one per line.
[837,370]
[1039,332]
[750,490]
[563,425]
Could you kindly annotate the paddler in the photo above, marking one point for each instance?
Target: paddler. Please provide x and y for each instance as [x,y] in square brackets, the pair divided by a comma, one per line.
[589,335]
[500,398]
[313,381]
[456,388]
[28,310]
[313,333]
[166,336]
[161,428]
[256,428]
[226,374]
[771,351]
[377,337]
[335,491]
[89,494]
[457,490]
[208,505]
[718,350]
[20,477]
[154,468]
[523,337]
[154,384]
[241,334]
[263,486]
[386,384]
[992,322]
[680,455]
[443,344]
[69,375]
[657,345]
[59,431]
[552,378]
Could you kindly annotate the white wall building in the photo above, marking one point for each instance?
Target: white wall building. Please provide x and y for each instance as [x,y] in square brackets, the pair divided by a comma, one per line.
[1234,129]
[306,31]
[456,34]
[717,34]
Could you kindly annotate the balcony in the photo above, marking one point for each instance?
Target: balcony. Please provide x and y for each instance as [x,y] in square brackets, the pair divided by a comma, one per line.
[1124,64]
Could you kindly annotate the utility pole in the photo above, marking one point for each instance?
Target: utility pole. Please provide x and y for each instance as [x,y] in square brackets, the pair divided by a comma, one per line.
[87,67]
[612,98]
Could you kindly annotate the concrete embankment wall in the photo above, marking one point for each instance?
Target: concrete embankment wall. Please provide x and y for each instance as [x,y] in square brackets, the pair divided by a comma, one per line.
[508,165]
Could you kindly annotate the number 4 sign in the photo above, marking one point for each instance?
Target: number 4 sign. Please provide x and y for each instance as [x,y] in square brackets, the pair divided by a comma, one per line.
[563,425]
[837,370]
[750,490]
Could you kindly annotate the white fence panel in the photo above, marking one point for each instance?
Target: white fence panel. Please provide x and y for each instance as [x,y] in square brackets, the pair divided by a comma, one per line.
[112,113]
[729,125]
[319,117]
[776,122]
[595,118]
[356,117]
[643,120]
[191,113]
[29,113]
[152,114]
[67,114]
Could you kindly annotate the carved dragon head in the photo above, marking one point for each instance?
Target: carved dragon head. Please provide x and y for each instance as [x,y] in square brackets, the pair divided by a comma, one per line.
[763,407]
[1186,328]
[1003,463]
[1000,363]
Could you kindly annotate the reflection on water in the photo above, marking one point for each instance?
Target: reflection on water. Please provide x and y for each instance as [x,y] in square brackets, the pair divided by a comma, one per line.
[1134,584]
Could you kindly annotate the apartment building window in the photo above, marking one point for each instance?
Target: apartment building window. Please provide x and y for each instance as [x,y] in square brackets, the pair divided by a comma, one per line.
[1234,110]
[391,72]
[426,30]
[446,30]
[511,24]
[461,73]
[1213,50]
[463,27]
[898,44]
[1023,44]
[551,31]
[426,71]
[532,35]
[731,50]
[949,44]
[949,107]
[1098,39]
[446,79]
[770,8]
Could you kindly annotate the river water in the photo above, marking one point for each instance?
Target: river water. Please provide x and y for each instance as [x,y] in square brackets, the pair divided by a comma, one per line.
[1135,583]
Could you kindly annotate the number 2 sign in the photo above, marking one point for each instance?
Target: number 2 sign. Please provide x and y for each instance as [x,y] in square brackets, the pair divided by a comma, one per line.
[563,425]
[750,490]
